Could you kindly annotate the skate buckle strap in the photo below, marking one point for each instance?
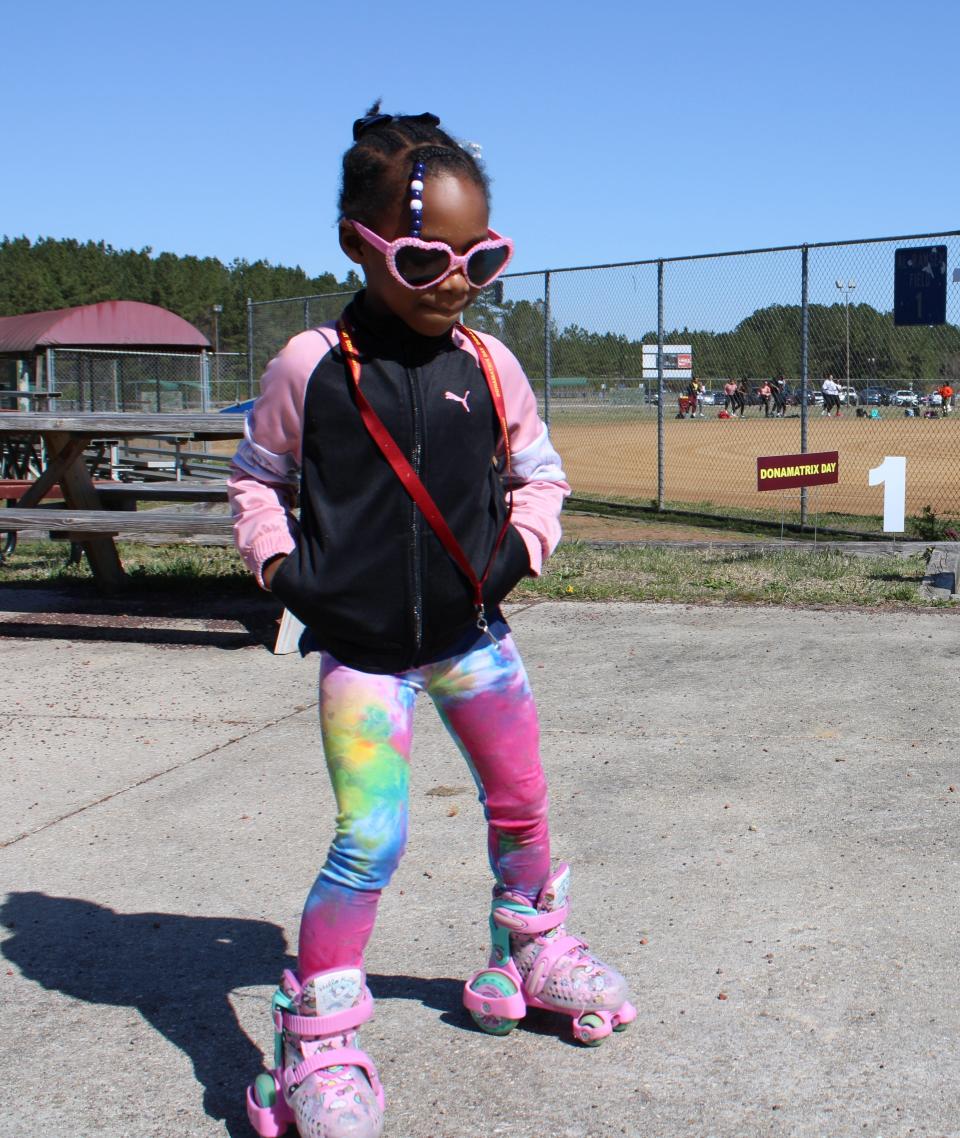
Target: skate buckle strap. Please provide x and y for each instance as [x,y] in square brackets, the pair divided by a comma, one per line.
[530,921]
[310,1027]
[292,1077]
[547,957]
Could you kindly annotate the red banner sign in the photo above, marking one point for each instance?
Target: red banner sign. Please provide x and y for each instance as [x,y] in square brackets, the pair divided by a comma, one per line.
[785,471]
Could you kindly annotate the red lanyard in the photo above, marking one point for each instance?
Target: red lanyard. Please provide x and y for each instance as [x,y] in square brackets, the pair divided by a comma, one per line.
[409,478]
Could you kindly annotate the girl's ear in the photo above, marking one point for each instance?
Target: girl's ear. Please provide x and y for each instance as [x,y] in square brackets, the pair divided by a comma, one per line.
[352,243]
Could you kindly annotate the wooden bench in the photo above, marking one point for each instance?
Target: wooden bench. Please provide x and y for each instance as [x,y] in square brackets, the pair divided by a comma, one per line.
[80,523]
[125,495]
[12,489]
[114,493]
[77,524]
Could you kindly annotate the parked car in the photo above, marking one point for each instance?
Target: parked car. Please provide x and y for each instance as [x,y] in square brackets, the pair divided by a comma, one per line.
[876,396]
[848,394]
[905,398]
[795,396]
[711,398]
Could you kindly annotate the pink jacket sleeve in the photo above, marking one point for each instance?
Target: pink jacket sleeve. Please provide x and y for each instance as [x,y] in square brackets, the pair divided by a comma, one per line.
[537,480]
[265,472]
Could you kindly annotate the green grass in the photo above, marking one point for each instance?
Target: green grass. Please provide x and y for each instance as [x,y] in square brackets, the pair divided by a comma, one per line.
[154,567]
[577,571]
[926,526]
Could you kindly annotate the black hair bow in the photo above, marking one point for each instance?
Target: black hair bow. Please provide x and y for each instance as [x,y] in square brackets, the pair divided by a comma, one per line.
[368,122]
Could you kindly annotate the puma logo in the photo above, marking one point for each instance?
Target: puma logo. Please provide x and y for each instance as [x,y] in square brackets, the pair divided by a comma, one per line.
[459,399]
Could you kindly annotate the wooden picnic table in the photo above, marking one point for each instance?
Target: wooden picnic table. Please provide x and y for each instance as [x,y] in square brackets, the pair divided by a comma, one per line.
[40,399]
[67,436]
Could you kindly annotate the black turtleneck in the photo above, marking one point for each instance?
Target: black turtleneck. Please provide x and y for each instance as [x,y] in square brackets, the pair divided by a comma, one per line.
[388,336]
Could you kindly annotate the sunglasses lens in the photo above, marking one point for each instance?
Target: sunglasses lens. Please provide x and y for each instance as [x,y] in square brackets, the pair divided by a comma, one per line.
[421,266]
[484,265]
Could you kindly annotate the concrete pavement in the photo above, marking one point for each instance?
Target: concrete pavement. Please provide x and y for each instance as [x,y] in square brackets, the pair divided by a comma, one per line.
[760,806]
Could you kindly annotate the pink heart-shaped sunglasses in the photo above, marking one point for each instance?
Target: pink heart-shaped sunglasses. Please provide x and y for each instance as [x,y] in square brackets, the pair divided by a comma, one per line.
[420,264]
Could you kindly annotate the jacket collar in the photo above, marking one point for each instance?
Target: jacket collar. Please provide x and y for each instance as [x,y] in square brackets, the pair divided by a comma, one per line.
[387,336]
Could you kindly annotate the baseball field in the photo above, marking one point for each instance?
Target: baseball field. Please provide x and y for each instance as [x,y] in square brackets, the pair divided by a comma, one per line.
[711,463]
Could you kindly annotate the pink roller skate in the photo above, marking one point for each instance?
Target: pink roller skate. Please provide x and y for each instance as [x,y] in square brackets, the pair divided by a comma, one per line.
[536,964]
[321,1080]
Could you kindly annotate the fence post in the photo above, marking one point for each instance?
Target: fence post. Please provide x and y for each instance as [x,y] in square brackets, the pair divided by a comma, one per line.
[249,347]
[204,382]
[306,313]
[51,376]
[660,431]
[547,349]
[804,364]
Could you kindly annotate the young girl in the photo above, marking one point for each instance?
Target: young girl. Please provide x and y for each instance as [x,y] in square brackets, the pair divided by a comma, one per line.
[428,487]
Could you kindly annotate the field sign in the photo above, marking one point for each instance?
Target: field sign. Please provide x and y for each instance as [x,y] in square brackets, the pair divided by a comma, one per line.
[920,285]
[785,471]
[677,361]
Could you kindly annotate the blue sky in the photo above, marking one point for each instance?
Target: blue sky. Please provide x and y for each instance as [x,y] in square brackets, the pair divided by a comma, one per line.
[613,131]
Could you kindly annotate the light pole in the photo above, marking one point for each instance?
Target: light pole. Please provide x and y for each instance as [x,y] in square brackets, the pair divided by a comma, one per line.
[846,304]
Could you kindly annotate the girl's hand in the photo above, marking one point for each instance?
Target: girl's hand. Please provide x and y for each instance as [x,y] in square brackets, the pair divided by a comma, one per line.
[270,569]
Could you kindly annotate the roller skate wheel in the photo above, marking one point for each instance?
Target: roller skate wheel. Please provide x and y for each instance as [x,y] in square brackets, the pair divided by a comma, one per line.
[493,984]
[585,1029]
[265,1090]
[624,1017]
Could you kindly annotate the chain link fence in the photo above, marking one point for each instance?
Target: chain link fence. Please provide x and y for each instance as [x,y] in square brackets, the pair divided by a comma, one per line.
[612,350]
[270,323]
[107,380]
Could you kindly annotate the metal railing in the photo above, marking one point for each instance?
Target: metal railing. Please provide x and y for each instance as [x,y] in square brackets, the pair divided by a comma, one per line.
[611,349]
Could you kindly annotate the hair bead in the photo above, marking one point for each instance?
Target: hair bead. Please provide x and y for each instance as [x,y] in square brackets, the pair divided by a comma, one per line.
[416,198]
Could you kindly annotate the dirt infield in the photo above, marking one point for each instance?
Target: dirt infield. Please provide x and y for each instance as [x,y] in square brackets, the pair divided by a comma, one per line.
[714,460]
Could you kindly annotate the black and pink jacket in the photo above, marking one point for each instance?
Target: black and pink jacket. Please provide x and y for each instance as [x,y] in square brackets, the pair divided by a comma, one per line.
[365,572]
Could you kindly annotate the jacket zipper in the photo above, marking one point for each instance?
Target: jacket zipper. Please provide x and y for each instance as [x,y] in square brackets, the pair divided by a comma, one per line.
[416,462]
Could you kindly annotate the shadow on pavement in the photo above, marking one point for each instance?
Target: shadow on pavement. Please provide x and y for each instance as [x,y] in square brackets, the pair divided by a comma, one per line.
[233,618]
[178,973]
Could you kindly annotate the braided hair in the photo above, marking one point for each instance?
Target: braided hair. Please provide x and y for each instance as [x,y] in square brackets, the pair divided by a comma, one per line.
[377,166]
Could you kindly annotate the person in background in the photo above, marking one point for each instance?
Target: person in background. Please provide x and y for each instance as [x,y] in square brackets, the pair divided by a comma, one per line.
[765,393]
[730,396]
[779,397]
[946,395]
[831,396]
[693,395]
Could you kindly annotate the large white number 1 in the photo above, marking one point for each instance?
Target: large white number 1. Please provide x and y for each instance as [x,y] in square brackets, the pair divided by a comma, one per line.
[892,473]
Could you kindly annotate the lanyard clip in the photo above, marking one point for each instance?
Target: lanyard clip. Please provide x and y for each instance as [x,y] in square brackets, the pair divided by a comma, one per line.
[482,624]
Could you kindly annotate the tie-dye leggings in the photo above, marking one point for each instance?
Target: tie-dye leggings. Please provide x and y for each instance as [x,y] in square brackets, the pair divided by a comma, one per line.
[485,702]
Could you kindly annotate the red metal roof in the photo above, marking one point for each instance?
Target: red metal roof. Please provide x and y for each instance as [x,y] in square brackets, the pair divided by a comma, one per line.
[110,324]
